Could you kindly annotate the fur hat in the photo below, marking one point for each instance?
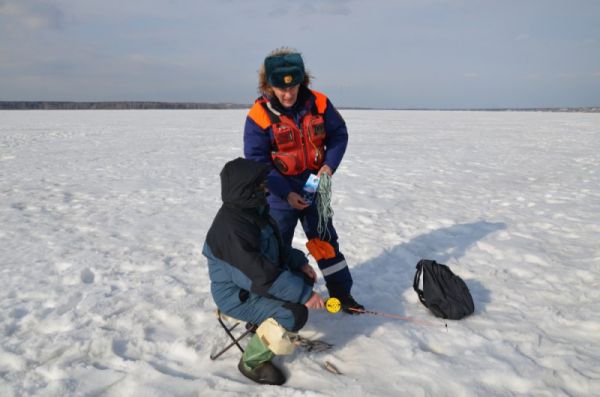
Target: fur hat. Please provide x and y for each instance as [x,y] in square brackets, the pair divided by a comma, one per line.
[284,70]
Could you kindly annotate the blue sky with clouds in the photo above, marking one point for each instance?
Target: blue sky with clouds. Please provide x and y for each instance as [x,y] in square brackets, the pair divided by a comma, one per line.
[404,53]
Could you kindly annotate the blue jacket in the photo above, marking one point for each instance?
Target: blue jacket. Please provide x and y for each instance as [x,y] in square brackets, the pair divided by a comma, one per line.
[258,144]
[243,247]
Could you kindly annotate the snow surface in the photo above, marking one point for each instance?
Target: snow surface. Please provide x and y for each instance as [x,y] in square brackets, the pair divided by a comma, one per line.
[105,293]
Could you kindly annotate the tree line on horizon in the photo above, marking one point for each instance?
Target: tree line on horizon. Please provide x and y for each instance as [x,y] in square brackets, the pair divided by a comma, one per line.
[106,105]
[132,105]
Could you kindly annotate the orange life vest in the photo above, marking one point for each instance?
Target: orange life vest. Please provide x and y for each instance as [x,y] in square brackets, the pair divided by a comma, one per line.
[295,149]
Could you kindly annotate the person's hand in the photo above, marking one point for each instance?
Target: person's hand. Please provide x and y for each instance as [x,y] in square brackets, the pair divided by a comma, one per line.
[315,302]
[296,201]
[310,272]
[325,169]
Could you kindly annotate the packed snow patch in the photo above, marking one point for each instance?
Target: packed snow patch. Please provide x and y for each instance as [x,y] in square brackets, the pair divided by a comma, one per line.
[106,293]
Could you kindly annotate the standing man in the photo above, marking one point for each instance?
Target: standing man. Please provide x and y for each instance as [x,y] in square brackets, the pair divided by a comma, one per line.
[297,132]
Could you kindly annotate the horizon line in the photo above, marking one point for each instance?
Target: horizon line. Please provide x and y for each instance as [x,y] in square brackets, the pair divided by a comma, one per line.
[185,105]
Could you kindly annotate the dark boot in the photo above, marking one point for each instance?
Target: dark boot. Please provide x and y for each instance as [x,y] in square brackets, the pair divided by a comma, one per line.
[265,373]
[349,305]
[256,364]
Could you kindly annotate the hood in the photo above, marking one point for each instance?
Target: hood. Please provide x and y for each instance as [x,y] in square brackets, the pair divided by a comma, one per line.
[240,179]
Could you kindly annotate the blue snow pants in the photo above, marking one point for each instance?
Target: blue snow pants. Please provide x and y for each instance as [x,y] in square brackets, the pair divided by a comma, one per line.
[335,270]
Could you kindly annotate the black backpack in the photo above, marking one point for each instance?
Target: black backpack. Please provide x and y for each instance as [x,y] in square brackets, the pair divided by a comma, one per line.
[444,293]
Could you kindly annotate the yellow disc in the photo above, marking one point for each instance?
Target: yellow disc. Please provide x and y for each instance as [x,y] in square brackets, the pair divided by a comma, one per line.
[333,305]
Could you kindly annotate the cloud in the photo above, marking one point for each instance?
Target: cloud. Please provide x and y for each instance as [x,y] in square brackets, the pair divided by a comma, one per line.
[312,8]
[280,10]
[335,8]
[31,14]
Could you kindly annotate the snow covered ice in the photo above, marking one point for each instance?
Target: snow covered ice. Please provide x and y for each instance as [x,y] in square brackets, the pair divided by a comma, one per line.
[105,292]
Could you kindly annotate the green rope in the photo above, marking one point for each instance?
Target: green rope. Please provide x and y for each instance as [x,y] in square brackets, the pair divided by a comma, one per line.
[324,205]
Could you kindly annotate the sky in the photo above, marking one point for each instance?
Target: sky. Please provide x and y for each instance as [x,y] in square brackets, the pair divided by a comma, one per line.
[377,53]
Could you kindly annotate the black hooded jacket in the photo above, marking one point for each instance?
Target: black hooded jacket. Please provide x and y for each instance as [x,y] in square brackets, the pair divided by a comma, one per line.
[243,245]
[240,180]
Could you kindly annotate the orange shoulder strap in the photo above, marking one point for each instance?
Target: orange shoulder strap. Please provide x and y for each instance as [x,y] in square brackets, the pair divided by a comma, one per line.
[320,101]
[259,115]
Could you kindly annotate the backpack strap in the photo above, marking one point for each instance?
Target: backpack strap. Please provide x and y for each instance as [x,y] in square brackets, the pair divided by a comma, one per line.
[416,282]
[422,263]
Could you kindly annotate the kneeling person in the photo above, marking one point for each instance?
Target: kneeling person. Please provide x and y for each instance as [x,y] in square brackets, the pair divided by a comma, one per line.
[254,277]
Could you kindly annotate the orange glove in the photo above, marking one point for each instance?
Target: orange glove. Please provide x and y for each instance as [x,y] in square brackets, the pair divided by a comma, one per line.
[320,249]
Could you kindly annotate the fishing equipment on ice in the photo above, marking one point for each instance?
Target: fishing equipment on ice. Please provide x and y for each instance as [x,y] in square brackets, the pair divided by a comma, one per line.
[444,293]
[349,305]
[334,305]
[345,303]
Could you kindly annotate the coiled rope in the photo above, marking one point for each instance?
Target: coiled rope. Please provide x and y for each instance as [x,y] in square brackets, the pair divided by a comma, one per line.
[324,209]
